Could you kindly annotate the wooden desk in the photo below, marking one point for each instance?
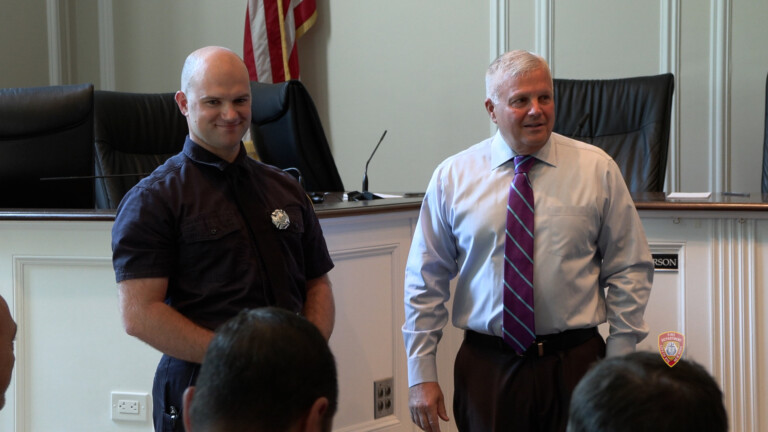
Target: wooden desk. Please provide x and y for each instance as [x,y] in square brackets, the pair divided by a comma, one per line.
[718,296]
[718,202]
[56,273]
[72,352]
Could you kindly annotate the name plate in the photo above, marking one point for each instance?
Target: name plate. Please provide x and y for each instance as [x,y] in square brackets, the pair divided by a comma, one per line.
[665,262]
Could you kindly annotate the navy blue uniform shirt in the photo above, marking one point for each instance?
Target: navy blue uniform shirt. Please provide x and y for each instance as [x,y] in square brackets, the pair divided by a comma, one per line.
[184,222]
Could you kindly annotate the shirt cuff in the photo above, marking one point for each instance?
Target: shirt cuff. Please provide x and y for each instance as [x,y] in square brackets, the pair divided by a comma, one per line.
[422,369]
[619,345]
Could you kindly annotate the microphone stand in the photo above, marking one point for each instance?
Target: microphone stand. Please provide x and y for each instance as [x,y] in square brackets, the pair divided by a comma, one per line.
[365,195]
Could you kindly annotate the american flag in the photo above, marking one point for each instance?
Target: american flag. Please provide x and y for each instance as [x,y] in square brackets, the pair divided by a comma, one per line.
[271,30]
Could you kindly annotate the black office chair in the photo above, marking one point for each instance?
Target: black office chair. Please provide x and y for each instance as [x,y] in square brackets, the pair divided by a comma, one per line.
[46,147]
[764,187]
[287,133]
[629,118]
[134,134]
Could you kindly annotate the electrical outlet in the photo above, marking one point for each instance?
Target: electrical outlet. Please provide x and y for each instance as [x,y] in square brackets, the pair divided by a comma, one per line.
[383,398]
[129,406]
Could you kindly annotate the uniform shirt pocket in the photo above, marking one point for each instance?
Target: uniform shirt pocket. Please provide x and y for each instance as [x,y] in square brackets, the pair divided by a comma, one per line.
[567,231]
[213,246]
[209,227]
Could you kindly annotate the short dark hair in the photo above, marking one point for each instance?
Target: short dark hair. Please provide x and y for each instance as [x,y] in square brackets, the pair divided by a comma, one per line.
[263,371]
[640,392]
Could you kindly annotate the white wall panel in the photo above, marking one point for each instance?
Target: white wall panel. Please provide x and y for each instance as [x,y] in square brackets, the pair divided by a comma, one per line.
[72,351]
[369,254]
[153,38]
[597,39]
[23,44]
[723,302]
[749,68]
[761,308]
[415,69]
[522,25]
[692,89]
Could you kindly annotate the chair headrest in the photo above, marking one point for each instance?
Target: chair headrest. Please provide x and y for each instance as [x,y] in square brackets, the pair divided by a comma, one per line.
[639,97]
[269,101]
[44,109]
[146,123]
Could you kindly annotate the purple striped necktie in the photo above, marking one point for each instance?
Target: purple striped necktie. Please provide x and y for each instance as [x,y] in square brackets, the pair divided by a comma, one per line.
[518,323]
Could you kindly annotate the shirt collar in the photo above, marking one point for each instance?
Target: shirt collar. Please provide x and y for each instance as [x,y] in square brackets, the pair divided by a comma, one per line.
[502,153]
[198,154]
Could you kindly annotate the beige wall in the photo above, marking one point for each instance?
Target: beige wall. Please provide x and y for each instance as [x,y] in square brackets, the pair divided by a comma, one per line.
[23,44]
[153,38]
[416,69]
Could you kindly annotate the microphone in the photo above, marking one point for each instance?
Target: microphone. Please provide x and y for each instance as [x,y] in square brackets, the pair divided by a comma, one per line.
[580,124]
[365,195]
[365,174]
[93,177]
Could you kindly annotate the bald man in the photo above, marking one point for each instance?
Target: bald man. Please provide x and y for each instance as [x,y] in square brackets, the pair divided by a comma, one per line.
[212,232]
[7,358]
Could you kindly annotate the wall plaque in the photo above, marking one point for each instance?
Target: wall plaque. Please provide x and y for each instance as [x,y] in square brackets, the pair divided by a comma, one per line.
[665,262]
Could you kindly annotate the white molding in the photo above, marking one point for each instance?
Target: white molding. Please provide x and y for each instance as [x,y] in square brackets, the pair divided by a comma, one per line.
[366,251]
[54,42]
[499,43]
[545,31]
[747,279]
[669,61]
[499,25]
[389,423]
[734,322]
[106,45]
[678,248]
[400,417]
[719,102]
[19,282]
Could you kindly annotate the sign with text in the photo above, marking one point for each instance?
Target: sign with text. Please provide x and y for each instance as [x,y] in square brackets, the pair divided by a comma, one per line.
[666,262]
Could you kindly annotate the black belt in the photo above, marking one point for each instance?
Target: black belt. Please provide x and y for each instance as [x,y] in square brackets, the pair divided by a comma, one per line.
[543,346]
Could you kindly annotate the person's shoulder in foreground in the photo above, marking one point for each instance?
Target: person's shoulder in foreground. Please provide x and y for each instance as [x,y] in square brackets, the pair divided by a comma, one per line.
[7,358]
[639,392]
[266,369]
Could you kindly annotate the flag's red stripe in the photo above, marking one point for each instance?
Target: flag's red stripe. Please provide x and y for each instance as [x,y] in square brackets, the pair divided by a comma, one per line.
[303,14]
[274,37]
[303,11]
[248,57]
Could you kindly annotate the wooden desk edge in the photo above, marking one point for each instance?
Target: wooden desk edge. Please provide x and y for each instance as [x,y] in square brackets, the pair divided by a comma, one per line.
[329,209]
[324,211]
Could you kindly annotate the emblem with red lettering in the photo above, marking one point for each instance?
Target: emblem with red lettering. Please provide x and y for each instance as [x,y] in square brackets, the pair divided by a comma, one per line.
[671,347]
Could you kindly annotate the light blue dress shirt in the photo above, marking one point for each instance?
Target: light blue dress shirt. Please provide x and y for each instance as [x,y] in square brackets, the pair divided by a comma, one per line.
[591,257]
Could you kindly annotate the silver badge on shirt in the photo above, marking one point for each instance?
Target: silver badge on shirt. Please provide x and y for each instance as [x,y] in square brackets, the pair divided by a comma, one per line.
[280,219]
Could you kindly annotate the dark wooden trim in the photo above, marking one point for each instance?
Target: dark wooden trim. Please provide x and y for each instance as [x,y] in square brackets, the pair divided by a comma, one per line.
[717,202]
[334,207]
[337,208]
[57,215]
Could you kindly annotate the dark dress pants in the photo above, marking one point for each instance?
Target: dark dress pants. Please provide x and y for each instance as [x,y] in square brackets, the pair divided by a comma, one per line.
[497,390]
[172,377]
